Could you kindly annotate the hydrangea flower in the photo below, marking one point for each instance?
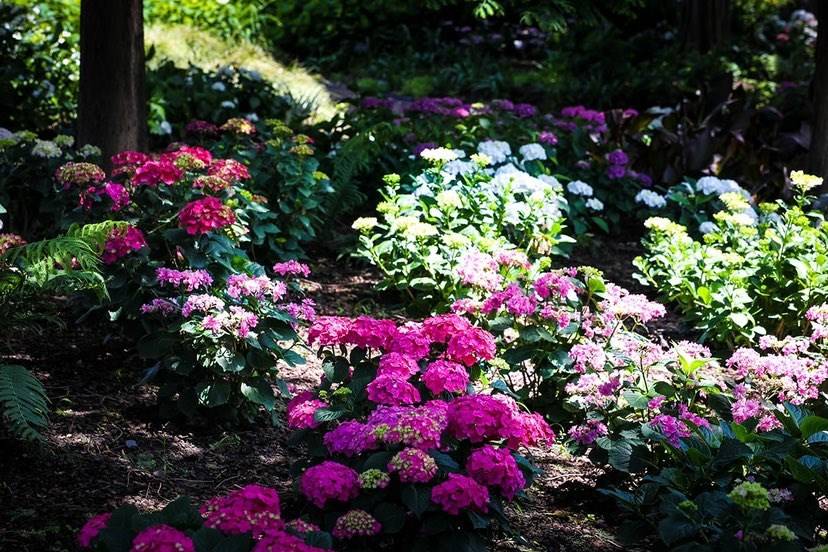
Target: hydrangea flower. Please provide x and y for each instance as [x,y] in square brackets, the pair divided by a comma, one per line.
[532,152]
[413,466]
[471,346]
[252,509]
[374,479]
[92,528]
[356,523]
[78,174]
[393,390]
[191,280]
[651,199]
[292,268]
[121,243]
[399,364]
[301,410]
[203,303]
[329,481]
[153,173]
[496,467]
[580,188]
[205,215]
[162,538]
[280,541]
[445,376]
[229,170]
[460,492]
[350,438]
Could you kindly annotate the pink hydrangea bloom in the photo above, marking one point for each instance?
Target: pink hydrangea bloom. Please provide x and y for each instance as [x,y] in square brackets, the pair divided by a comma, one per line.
[90,530]
[191,280]
[369,332]
[671,427]
[391,389]
[421,426]
[350,438]
[77,174]
[162,538]
[306,310]
[153,173]
[622,304]
[744,409]
[475,268]
[129,158]
[413,466]
[588,355]
[260,287]
[471,346]
[199,127]
[117,194]
[329,481]
[558,285]
[205,215]
[301,409]
[280,541]
[189,157]
[586,434]
[164,307]
[356,523]
[480,418]
[412,342]
[229,170]
[398,364]
[121,243]
[496,467]
[460,492]
[445,376]
[201,303]
[329,330]
[292,268]
[252,509]
[441,328]
[301,526]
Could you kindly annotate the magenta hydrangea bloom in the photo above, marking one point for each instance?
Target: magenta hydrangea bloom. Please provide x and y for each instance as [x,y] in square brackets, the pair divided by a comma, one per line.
[301,526]
[117,194]
[259,287]
[153,173]
[202,302]
[350,438]
[393,390]
[129,158]
[356,523]
[586,434]
[471,346]
[412,342]
[397,364]
[496,467]
[421,426]
[229,170]
[413,466]
[460,492]
[164,307]
[91,529]
[121,243]
[481,418]
[252,509]
[445,376]
[162,538]
[205,215]
[280,541]
[292,268]
[671,427]
[191,280]
[443,327]
[301,410]
[369,332]
[329,330]
[329,481]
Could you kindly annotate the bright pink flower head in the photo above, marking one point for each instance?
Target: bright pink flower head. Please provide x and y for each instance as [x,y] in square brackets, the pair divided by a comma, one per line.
[421,427]
[121,243]
[117,194]
[162,538]
[329,481]
[460,492]
[205,215]
[329,330]
[481,418]
[90,530]
[671,427]
[471,346]
[371,332]
[229,170]
[153,173]
[443,327]
[587,433]
[252,509]
[292,268]
[412,343]
[413,466]
[350,438]
[445,376]
[189,157]
[191,280]
[280,541]
[393,390]
[129,158]
[300,411]
[398,364]
[356,523]
[496,467]
[78,174]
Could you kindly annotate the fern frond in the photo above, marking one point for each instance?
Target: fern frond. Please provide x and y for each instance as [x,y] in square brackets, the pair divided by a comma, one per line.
[24,402]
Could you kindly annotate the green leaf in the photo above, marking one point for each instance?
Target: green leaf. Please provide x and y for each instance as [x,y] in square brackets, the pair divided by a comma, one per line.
[391,516]
[260,392]
[812,424]
[181,513]
[213,394]
[416,498]
[325,415]
[674,528]
[24,402]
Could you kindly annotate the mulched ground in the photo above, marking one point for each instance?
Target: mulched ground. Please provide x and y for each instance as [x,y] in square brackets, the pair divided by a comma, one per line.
[105,446]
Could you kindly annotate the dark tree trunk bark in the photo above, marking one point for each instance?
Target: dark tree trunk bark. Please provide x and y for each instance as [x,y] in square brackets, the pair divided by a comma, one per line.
[112,110]
[705,24]
[818,154]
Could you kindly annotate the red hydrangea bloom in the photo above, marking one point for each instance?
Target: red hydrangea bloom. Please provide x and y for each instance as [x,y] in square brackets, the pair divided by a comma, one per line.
[77,174]
[413,466]
[329,481]
[350,438]
[251,509]
[129,158]
[153,173]
[444,375]
[356,523]
[197,127]
[91,529]
[121,243]
[441,328]
[393,390]
[460,492]
[397,364]
[279,541]
[229,170]
[300,411]
[162,538]
[470,346]
[371,332]
[495,467]
[203,156]
[204,215]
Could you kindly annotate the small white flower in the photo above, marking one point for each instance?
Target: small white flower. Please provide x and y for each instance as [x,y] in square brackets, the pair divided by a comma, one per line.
[509,168]
[579,187]
[218,86]
[88,150]
[595,204]
[552,181]
[438,155]
[227,104]
[708,227]
[532,152]
[46,149]
[651,199]
[495,150]
[453,168]
[165,127]
[516,212]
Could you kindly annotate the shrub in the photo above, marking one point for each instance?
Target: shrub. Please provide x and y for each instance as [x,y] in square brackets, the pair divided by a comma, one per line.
[753,275]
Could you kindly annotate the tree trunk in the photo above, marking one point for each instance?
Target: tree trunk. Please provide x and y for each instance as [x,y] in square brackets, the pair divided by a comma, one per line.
[705,24]
[818,154]
[112,111]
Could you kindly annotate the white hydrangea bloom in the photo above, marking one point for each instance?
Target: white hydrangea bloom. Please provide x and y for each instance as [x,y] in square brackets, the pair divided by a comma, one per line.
[438,155]
[533,152]
[579,187]
[46,149]
[651,199]
[552,181]
[218,86]
[495,150]
[453,168]
[708,227]
[595,204]
[516,212]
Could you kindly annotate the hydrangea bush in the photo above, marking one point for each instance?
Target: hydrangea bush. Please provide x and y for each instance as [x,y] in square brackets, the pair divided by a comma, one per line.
[750,274]
[404,438]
